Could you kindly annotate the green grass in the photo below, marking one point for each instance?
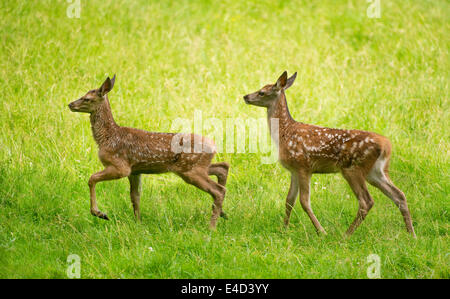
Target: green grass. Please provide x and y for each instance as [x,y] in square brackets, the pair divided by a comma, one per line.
[389,75]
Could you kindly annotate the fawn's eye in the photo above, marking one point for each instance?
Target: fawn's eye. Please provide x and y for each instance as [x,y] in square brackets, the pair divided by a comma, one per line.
[261,93]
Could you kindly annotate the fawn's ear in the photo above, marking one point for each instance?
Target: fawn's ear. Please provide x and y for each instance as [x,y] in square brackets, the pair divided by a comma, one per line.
[113,80]
[107,85]
[291,80]
[281,82]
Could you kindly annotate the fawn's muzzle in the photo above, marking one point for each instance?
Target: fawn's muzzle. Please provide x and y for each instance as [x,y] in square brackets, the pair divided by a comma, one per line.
[76,106]
[72,107]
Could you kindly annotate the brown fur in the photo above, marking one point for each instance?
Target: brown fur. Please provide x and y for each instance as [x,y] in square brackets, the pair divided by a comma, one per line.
[306,149]
[129,152]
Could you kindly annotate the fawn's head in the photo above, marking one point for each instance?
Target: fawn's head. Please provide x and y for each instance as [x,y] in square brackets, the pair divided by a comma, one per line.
[270,93]
[93,98]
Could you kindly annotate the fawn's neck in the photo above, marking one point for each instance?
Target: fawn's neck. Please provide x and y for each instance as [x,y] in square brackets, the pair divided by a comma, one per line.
[279,111]
[102,123]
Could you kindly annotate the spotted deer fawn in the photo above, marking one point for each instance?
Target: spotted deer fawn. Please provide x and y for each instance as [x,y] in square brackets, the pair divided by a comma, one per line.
[129,152]
[306,149]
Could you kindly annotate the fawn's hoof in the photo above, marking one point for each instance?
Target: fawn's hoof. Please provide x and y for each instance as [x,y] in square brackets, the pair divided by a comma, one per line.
[322,233]
[103,216]
[224,215]
[213,224]
[100,215]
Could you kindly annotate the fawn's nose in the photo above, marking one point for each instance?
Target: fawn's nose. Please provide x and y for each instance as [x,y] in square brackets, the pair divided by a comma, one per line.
[246,97]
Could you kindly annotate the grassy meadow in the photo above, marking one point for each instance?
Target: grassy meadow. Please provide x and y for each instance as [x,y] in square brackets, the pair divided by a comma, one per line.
[389,75]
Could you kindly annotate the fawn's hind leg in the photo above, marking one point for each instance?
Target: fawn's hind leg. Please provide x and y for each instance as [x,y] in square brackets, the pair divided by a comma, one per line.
[221,171]
[355,179]
[109,173]
[135,193]
[378,177]
[199,178]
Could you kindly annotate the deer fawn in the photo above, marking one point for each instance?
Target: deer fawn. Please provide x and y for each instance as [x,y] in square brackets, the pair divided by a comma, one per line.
[129,152]
[306,149]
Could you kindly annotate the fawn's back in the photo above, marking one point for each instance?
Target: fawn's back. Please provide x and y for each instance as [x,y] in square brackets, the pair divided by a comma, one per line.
[324,150]
[154,152]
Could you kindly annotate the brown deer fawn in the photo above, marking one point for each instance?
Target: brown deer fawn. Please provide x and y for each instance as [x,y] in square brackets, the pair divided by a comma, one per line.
[129,152]
[306,149]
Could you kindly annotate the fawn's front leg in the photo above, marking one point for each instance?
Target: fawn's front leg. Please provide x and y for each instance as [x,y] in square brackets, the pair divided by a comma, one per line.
[305,201]
[291,197]
[109,173]
[135,193]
